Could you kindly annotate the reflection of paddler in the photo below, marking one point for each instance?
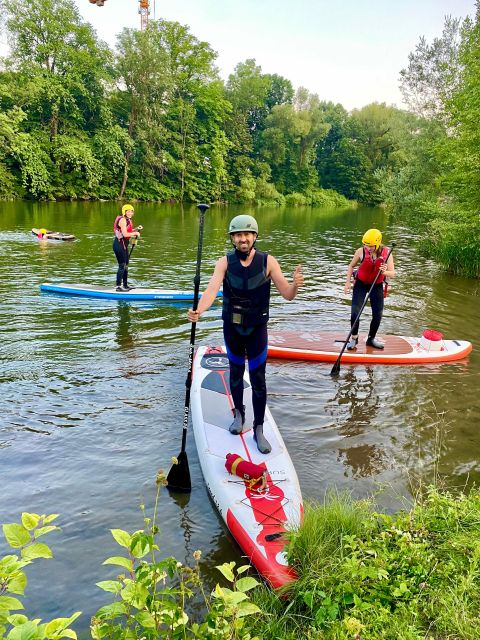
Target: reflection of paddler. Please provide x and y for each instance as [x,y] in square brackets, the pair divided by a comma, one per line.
[124,230]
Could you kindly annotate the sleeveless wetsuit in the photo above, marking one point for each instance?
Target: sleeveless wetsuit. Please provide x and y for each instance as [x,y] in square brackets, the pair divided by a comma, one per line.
[365,276]
[246,298]
[120,248]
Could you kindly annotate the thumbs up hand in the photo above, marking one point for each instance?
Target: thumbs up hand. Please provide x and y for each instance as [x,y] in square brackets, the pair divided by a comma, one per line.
[298,279]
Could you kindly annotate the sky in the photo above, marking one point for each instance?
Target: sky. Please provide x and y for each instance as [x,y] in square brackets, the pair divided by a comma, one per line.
[346,51]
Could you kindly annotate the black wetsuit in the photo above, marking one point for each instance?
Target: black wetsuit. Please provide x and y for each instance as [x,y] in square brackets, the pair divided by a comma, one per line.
[246,298]
[120,249]
[360,290]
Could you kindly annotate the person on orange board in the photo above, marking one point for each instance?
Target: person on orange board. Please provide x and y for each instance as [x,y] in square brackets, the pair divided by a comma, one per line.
[246,274]
[124,230]
[371,259]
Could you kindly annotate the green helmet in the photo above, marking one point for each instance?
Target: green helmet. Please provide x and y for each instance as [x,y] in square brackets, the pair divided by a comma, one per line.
[243,223]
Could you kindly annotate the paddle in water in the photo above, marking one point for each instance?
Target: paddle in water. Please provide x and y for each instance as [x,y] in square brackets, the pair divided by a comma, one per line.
[336,367]
[178,478]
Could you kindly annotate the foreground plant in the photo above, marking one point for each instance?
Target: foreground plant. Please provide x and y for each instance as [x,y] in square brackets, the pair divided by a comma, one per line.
[23,537]
[151,594]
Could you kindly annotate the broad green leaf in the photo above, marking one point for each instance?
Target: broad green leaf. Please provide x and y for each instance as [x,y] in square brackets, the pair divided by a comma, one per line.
[9,564]
[110,585]
[36,550]
[16,535]
[126,563]
[122,537]
[135,594]
[25,631]
[59,626]
[7,603]
[243,568]
[111,611]
[50,518]
[17,584]
[30,520]
[245,584]
[233,597]
[145,619]
[17,618]
[247,609]
[218,591]
[41,531]
[226,570]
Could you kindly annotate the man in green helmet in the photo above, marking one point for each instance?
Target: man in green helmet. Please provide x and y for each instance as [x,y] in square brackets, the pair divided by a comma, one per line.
[245,274]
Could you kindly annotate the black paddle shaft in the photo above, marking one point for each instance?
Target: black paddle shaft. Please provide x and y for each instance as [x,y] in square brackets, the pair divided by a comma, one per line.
[178,478]
[336,367]
[134,244]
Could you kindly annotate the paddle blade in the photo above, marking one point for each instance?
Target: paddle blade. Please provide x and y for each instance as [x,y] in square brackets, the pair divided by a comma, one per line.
[178,478]
[335,369]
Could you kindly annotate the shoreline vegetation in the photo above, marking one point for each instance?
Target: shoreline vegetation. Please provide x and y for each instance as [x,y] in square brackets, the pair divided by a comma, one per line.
[362,574]
[153,121]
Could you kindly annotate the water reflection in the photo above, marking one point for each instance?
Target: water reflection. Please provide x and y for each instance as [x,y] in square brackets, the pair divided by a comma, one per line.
[125,334]
[357,405]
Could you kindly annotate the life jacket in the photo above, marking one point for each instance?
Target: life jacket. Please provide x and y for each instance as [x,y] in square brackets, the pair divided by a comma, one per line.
[369,268]
[246,291]
[116,227]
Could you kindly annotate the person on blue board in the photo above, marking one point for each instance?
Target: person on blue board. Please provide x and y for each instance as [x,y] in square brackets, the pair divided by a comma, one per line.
[371,259]
[245,275]
[123,230]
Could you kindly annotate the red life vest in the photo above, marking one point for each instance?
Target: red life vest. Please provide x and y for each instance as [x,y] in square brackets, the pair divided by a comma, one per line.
[369,267]
[116,227]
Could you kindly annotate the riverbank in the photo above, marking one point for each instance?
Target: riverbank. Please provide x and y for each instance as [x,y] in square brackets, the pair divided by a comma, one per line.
[362,574]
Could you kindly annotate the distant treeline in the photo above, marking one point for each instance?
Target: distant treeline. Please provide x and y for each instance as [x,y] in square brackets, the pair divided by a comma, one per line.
[154,121]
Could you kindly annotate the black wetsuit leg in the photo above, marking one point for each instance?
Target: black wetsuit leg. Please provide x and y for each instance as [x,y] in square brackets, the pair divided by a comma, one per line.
[251,342]
[360,290]
[120,248]
[376,302]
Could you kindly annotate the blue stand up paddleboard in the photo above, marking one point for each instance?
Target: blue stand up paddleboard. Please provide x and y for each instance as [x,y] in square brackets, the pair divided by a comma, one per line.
[137,293]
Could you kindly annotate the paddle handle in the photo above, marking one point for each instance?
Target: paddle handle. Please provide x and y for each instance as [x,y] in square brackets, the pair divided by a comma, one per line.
[191,351]
[336,366]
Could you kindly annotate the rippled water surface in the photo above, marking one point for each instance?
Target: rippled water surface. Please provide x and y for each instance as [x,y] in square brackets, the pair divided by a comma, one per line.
[93,391]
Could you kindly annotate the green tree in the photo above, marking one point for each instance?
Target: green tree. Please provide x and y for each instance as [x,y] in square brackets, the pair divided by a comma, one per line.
[59,70]
[289,141]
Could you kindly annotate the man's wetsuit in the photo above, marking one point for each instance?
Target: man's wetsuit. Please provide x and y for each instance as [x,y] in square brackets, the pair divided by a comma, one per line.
[246,299]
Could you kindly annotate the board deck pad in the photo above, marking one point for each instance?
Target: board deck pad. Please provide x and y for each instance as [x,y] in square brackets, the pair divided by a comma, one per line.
[326,347]
[137,293]
[257,520]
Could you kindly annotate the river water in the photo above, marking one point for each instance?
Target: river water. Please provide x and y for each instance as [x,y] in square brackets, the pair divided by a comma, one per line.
[93,391]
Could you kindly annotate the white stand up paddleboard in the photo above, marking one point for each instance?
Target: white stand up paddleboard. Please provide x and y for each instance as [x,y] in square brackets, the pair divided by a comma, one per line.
[257,519]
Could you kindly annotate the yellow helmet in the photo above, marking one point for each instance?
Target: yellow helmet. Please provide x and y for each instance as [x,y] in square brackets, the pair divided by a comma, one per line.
[127,207]
[372,236]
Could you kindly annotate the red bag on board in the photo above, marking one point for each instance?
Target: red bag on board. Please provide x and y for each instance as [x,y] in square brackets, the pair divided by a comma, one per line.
[253,474]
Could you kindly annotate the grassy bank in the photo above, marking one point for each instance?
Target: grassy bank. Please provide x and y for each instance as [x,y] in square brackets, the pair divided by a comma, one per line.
[367,575]
[362,575]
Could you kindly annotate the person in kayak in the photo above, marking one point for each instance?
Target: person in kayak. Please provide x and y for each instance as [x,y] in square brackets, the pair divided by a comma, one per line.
[245,274]
[123,230]
[371,257]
